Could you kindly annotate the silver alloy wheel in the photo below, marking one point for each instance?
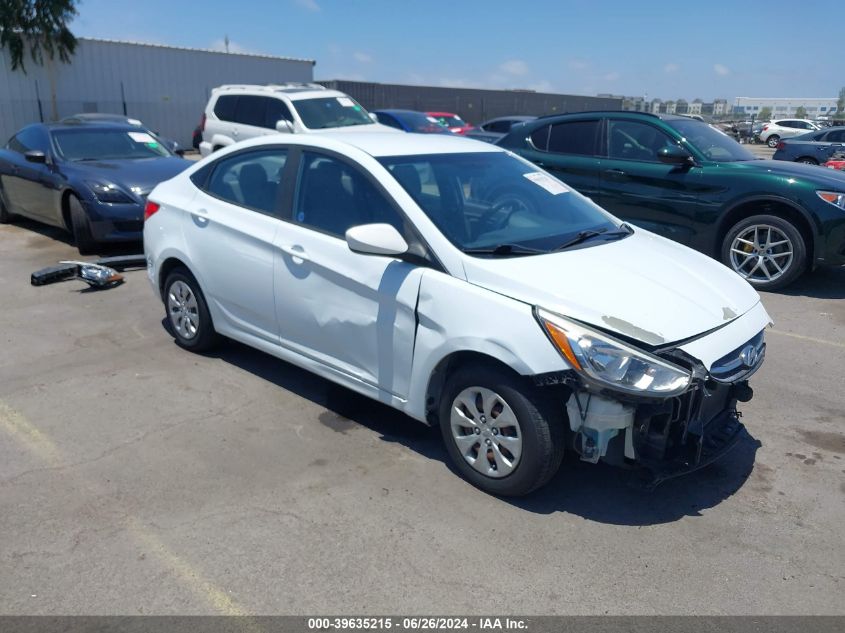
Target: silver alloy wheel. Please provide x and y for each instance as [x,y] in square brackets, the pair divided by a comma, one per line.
[486,431]
[762,253]
[182,310]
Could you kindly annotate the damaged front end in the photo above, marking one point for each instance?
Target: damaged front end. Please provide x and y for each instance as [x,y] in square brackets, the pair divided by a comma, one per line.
[661,410]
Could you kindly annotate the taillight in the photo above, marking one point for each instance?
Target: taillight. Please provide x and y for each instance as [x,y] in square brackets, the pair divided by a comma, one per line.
[149,209]
[781,145]
[765,127]
[202,123]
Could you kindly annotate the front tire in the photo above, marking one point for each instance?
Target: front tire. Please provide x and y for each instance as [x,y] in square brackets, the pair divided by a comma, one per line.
[81,227]
[501,433]
[772,141]
[187,312]
[807,160]
[768,251]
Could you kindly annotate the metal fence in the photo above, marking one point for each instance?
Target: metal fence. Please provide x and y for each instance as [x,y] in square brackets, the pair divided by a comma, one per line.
[471,104]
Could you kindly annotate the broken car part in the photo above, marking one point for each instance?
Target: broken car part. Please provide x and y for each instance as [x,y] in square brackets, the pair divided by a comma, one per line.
[95,275]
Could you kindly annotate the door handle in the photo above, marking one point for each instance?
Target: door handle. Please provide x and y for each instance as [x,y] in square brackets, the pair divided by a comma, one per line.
[296,252]
[614,173]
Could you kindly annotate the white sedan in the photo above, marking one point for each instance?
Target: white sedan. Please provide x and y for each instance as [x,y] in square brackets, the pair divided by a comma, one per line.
[467,288]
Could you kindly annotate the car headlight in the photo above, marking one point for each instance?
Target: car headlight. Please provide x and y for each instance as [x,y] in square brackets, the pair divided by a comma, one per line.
[833,197]
[109,193]
[611,362]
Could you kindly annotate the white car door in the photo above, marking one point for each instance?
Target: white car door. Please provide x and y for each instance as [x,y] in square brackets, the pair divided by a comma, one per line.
[230,234]
[351,312]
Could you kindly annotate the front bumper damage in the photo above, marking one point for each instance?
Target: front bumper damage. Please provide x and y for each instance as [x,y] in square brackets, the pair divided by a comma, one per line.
[665,437]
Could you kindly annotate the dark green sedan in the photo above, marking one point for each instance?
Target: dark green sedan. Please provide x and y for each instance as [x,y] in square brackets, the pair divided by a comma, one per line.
[769,221]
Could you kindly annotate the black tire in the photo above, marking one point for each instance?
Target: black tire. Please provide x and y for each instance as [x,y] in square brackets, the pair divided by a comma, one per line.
[205,337]
[5,216]
[807,160]
[80,227]
[794,269]
[540,420]
[773,140]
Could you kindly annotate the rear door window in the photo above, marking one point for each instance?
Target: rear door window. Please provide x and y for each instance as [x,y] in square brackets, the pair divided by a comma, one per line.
[249,179]
[574,137]
[251,110]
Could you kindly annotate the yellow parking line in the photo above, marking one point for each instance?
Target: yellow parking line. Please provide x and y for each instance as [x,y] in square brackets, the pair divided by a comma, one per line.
[809,338]
[45,450]
[190,576]
[34,440]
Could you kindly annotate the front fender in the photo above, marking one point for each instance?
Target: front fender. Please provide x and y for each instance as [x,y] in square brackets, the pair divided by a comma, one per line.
[456,316]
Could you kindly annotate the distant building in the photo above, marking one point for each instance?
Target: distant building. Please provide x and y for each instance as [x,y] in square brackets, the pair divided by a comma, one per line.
[655,106]
[668,107]
[695,107]
[786,106]
[720,107]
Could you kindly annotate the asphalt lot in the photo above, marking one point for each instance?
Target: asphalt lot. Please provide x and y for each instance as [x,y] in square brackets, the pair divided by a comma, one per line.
[136,478]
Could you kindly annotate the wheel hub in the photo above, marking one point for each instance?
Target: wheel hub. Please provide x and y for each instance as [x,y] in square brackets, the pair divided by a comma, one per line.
[761,253]
[486,431]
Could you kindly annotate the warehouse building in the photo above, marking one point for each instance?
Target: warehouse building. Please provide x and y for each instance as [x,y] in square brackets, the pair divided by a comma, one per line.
[471,104]
[786,106]
[166,87]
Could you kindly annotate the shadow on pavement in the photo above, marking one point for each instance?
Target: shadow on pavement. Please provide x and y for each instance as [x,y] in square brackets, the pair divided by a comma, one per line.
[60,235]
[595,492]
[827,282]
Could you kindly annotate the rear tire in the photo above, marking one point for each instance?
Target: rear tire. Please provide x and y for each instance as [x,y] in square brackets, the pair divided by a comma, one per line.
[768,251]
[478,402]
[187,312]
[772,141]
[807,160]
[81,227]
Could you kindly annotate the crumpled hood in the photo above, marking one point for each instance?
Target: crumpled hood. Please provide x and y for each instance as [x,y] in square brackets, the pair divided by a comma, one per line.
[644,287]
[143,173]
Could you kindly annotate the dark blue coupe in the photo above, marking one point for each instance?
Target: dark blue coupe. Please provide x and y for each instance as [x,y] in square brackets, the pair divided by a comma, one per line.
[90,178]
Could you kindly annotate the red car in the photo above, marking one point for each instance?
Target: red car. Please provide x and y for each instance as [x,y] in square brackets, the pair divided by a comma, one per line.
[836,161]
[451,120]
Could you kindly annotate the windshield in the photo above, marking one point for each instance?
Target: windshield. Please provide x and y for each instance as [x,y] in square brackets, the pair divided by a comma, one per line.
[325,112]
[452,120]
[712,143]
[419,122]
[107,144]
[485,200]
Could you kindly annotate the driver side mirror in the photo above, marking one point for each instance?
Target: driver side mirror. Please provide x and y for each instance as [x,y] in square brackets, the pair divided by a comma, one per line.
[284,126]
[376,239]
[36,156]
[674,155]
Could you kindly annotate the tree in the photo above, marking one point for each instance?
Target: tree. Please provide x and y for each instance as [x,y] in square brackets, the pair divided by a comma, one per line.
[765,114]
[840,103]
[40,26]
[800,112]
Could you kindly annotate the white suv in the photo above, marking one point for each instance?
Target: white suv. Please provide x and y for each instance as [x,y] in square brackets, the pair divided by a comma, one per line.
[773,131]
[239,112]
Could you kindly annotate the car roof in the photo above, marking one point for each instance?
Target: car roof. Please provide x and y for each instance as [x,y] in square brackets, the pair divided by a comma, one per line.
[513,117]
[399,111]
[293,91]
[437,113]
[380,144]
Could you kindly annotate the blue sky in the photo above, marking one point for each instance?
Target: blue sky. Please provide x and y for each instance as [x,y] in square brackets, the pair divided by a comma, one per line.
[658,49]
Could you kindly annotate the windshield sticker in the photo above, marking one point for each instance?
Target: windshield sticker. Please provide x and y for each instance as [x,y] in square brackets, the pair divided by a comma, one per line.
[346,102]
[552,185]
[141,137]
